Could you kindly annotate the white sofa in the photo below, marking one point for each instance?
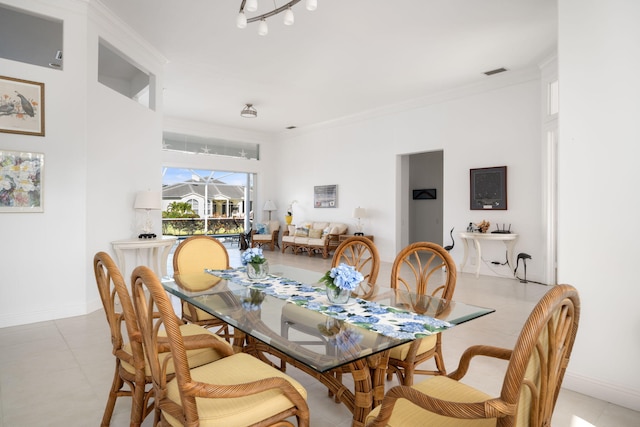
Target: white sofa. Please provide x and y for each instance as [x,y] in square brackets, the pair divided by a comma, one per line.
[313,237]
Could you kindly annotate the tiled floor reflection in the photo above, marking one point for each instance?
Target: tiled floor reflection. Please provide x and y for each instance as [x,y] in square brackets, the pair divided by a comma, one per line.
[58,373]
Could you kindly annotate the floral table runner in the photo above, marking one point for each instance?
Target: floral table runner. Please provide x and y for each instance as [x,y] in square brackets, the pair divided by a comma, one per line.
[388,321]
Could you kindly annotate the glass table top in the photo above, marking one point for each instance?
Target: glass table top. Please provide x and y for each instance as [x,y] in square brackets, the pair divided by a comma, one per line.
[311,337]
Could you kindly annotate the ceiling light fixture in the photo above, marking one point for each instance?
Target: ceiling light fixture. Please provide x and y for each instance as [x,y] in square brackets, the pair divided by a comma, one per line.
[249,112]
[263,29]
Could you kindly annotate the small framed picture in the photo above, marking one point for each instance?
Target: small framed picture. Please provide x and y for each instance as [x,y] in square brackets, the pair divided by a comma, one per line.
[325,196]
[21,106]
[489,188]
[21,181]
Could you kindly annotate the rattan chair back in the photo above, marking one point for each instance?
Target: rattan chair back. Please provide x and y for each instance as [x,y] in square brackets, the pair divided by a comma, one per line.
[425,269]
[118,308]
[532,381]
[196,253]
[149,297]
[361,253]
[190,258]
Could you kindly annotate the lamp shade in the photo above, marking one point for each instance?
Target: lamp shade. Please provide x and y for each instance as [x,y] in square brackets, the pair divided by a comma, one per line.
[270,206]
[149,200]
[359,213]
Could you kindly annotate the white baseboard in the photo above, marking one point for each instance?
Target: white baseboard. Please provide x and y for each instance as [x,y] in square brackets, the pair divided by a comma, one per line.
[613,393]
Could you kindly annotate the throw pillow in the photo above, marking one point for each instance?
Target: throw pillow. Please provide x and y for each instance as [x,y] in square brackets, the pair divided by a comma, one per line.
[261,229]
[315,233]
[302,232]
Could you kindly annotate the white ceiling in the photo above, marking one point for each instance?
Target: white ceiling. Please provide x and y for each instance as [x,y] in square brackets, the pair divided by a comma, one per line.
[346,57]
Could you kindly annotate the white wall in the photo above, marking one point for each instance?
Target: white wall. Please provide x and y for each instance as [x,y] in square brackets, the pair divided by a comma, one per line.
[475,127]
[100,148]
[599,65]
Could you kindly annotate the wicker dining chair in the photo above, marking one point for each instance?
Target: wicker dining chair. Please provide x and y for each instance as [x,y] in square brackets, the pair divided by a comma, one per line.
[131,368]
[361,253]
[190,258]
[532,380]
[423,268]
[236,390]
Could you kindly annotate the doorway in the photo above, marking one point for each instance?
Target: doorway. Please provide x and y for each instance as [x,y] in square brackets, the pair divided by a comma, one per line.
[423,215]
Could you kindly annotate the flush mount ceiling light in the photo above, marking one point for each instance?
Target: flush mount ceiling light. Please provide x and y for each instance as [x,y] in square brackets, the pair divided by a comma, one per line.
[249,112]
[263,29]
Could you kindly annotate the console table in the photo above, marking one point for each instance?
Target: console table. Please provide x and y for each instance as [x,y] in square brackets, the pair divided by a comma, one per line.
[157,252]
[343,237]
[509,240]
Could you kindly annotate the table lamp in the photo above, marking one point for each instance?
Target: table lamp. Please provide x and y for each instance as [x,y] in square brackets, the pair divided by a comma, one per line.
[148,201]
[269,206]
[359,213]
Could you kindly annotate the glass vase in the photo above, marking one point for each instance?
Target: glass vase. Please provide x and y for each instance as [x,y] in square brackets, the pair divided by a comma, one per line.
[337,295]
[258,271]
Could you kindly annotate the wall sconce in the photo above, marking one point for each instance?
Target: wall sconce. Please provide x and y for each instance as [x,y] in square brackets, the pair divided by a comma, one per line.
[148,201]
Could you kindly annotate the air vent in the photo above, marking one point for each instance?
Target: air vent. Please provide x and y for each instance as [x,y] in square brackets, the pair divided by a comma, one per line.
[496,71]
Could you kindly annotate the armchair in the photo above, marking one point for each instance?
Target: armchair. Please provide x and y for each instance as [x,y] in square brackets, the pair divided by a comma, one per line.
[532,380]
[269,237]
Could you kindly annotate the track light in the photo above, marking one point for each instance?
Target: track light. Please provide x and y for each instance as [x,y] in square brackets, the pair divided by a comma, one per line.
[263,28]
[288,17]
[252,5]
[241,20]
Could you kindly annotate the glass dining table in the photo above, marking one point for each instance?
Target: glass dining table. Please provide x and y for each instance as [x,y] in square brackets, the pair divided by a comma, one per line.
[287,315]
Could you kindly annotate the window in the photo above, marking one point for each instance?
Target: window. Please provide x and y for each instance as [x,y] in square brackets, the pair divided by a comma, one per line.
[209,146]
[220,197]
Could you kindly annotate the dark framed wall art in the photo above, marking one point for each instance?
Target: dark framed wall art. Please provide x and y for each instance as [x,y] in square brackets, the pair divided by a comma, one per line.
[21,106]
[489,188]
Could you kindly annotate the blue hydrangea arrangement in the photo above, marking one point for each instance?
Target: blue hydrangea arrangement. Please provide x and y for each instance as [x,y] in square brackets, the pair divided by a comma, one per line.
[343,276]
[253,256]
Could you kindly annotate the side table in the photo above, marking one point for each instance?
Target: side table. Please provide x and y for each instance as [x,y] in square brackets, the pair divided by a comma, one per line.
[343,237]
[157,252]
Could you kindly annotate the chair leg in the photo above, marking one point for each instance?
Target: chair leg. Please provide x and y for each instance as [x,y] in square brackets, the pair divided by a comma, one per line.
[138,405]
[116,385]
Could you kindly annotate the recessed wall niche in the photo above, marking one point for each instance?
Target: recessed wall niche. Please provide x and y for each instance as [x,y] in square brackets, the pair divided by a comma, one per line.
[30,38]
[122,75]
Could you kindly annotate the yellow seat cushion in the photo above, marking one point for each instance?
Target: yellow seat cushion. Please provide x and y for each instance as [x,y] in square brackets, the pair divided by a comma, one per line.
[197,357]
[215,302]
[407,414]
[400,352]
[235,412]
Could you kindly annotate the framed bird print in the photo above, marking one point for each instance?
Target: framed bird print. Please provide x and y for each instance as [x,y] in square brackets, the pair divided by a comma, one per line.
[21,106]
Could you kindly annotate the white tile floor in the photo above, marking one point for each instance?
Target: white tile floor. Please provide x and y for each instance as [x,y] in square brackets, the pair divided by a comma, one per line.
[58,373]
